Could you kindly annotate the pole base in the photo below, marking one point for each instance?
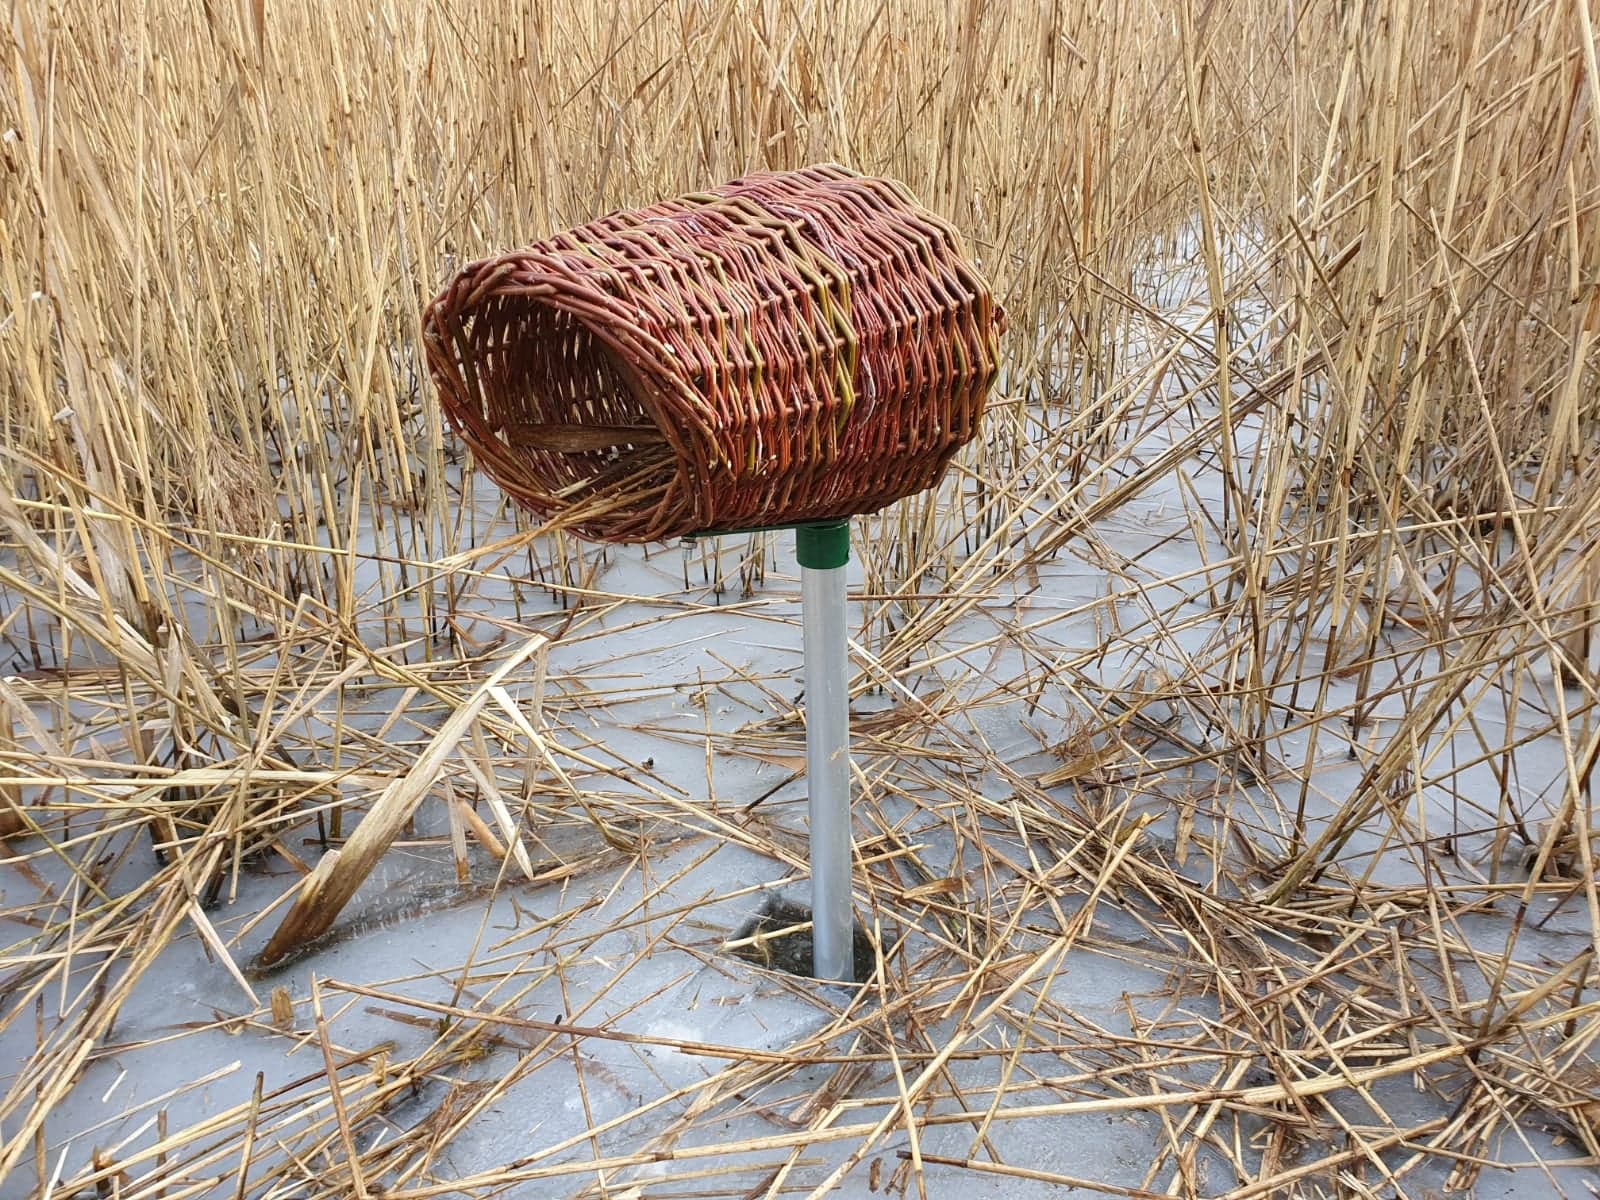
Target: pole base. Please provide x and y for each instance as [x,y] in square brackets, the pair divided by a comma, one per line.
[760,940]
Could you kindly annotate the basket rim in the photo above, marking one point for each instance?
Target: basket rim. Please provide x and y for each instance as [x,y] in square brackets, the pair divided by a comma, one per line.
[653,373]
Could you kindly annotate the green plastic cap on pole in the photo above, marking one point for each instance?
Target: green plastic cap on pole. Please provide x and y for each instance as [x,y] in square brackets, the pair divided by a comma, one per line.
[823,546]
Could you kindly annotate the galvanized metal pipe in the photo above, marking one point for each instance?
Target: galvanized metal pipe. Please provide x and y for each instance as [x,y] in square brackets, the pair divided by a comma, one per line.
[823,551]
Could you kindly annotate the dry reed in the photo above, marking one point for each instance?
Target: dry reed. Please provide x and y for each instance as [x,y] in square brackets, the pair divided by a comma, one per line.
[1339,258]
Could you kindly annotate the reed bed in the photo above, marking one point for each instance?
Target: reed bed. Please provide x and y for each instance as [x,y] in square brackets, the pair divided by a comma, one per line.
[1248,658]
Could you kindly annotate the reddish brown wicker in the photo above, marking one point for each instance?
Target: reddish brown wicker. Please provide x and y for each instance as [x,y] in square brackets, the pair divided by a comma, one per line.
[788,347]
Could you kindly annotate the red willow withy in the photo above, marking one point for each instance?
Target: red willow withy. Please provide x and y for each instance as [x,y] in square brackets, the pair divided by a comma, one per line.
[790,346]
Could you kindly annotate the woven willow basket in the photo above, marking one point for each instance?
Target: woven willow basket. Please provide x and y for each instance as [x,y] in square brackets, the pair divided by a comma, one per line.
[788,347]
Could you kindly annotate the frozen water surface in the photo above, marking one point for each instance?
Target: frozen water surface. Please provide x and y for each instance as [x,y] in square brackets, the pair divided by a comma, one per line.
[1063,854]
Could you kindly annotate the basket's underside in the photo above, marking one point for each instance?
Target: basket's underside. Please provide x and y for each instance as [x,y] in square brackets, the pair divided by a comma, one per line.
[790,347]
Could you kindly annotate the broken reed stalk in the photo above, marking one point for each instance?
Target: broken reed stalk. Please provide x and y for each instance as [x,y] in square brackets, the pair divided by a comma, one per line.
[11,817]
[338,874]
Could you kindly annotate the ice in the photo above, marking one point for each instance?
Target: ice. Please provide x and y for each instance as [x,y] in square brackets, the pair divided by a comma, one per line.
[501,1035]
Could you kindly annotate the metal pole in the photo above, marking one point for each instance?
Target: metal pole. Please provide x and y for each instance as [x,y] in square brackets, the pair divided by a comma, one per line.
[823,551]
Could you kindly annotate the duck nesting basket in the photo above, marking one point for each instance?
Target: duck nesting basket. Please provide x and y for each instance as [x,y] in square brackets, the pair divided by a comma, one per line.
[790,347]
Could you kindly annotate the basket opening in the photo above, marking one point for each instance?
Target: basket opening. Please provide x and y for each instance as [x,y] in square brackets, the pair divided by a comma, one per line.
[568,406]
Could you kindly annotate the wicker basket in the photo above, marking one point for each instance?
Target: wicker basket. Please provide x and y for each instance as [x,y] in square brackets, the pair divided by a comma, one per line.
[788,347]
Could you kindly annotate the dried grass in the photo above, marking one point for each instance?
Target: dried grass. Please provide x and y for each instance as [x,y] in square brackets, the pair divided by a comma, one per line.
[242,602]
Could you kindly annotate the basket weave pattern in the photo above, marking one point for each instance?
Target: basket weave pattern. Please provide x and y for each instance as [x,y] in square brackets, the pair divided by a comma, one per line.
[788,347]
